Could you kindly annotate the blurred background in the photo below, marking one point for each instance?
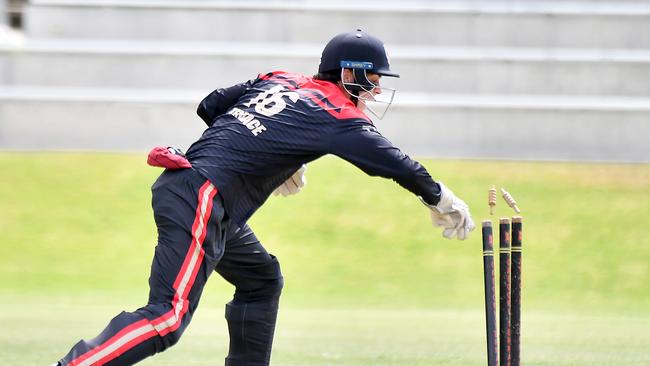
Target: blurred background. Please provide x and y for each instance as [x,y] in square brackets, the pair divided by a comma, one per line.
[564,80]
[549,99]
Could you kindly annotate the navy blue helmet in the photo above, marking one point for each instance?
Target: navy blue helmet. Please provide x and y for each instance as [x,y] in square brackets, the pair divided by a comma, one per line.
[355,50]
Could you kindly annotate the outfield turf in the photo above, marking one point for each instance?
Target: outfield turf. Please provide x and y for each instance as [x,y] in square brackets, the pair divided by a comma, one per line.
[368,280]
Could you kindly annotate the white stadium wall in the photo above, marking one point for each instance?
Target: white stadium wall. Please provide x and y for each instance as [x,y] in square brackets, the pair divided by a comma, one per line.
[533,79]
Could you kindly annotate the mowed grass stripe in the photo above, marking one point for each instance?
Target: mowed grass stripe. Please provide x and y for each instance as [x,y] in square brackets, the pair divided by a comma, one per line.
[81,223]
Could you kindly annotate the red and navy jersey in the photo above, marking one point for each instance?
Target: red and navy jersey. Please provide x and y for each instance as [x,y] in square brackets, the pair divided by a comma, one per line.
[260,132]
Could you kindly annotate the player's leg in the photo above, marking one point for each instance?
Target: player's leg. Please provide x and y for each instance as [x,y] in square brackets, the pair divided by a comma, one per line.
[252,313]
[190,243]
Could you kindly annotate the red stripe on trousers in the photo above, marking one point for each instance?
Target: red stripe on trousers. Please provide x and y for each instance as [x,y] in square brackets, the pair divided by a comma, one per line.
[111,340]
[194,242]
[186,262]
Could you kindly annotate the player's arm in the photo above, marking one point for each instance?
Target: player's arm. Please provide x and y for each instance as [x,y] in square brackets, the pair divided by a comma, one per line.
[367,149]
[219,101]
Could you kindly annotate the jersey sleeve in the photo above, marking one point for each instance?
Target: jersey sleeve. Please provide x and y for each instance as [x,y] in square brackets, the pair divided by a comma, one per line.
[371,152]
[219,101]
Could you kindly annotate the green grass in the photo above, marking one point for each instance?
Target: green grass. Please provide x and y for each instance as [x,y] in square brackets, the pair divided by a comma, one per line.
[320,337]
[368,280]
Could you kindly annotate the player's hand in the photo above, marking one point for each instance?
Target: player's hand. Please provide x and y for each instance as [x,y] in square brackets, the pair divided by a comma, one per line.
[457,215]
[452,214]
[294,184]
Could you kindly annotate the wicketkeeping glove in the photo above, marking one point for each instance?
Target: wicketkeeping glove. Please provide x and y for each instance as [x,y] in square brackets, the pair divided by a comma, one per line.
[452,214]
[294,184]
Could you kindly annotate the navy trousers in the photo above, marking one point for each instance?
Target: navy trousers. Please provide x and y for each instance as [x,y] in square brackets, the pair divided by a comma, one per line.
[195,238]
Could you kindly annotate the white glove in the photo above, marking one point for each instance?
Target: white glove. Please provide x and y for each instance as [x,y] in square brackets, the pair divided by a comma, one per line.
[294,184]
[452,214]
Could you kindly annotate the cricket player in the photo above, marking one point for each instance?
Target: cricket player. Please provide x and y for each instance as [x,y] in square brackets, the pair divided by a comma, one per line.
[260,135]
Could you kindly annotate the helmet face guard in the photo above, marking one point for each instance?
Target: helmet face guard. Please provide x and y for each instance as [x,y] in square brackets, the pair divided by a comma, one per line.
[363,54]
[364,91]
